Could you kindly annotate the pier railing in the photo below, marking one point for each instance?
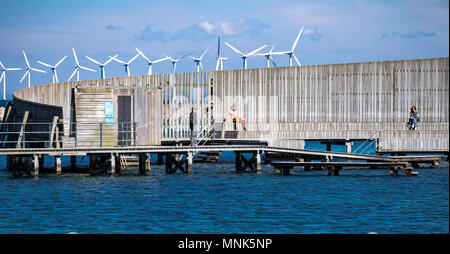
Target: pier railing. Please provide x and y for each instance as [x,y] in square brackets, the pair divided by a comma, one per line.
[54,135]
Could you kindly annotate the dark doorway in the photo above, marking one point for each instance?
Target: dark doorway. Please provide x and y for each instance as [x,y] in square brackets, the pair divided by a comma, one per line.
[124,120]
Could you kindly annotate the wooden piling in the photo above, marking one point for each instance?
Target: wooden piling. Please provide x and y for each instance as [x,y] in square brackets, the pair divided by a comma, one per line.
[190,160]
[258,162]
[73,162]
[113,161]
[58,164]
[36,166]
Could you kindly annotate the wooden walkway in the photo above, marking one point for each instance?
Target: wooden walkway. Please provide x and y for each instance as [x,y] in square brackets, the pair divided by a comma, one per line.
[112,160]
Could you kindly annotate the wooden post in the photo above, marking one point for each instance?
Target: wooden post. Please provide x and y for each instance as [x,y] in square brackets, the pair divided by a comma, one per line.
[393,171]
[52,131]
[258,162]
[36,166]
[17,165]
[147,164]
[58,164]
[22,130]
[238,161]
[73,162]
[332,171]
[57,137]
[113,165]
[9,162]
[286,171]
[348,145]
[160,159]
[169,158]
[190,159]
[277,170]
[142,163]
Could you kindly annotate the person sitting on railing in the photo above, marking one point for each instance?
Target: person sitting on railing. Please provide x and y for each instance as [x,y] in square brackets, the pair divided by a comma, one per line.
[413,118]
[234,115]
[193,126]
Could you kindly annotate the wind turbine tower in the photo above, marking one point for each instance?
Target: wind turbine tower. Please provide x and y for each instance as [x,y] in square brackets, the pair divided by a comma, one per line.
[3,77]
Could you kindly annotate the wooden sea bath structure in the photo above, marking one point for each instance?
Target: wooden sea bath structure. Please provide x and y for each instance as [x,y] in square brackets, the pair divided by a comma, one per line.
[119,122]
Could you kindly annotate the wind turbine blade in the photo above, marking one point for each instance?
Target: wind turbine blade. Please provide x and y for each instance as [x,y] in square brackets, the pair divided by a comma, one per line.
[218,48]
[34,69]
[2,76]
[280,53]
[56,77]
[110,59]
[119,61]
[185,55]
[73,74]
[205,51]
[272,48]
[13,69]
[75,56]
[60,61]
[93,60]
[47,65]
[24,75]
[296,60]
[26,59]
[160,60]
[296,40]
[274,64]
[85,68]
[132,59]
[1,65]
[235,50]
[256,50]
[201,66]
[142,54]
[217,64]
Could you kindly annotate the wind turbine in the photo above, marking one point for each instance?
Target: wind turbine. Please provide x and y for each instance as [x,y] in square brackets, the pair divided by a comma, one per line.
[244,56]
[175,61]
[29,69]
[150,63]
[268,57]
[53,68]
[198,60]
[219,58]
[102,65]
[3,77]
[127,64]
[78,67]
[291,53]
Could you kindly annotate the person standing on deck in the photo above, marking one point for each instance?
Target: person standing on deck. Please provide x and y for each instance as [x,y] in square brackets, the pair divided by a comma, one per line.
[413,118]
[193,126]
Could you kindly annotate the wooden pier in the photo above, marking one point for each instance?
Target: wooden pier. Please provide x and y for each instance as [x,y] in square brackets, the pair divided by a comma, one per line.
[104,160]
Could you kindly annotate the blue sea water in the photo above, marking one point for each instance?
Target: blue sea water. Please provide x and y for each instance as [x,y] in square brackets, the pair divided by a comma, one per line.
[216,199]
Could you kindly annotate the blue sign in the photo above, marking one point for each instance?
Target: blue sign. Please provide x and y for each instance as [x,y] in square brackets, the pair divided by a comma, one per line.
[109,112]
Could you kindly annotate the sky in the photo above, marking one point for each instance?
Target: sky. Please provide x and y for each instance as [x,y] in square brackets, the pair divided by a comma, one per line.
[335,31]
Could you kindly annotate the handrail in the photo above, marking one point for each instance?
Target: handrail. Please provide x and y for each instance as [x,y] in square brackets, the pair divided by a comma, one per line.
[84,134]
